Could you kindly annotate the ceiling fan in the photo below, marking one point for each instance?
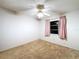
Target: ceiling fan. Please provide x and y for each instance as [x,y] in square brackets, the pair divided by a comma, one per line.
[38,8]
[41,11]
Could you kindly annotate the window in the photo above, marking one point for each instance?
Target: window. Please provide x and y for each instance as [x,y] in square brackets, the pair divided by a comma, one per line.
[54,27]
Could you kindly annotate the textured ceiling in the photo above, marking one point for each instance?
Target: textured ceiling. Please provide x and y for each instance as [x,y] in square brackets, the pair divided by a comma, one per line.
[59,6]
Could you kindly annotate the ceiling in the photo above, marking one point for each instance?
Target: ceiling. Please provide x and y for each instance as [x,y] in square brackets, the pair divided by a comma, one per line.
[58,6]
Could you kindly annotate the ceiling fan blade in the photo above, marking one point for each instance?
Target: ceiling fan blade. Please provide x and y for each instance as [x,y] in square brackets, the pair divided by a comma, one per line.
[53,11]
[27,8]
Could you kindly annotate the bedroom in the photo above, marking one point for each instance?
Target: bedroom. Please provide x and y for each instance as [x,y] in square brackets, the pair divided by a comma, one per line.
[19,24]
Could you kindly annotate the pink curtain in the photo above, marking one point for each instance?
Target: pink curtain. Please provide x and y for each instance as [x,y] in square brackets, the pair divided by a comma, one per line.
[47,27]
[62,28]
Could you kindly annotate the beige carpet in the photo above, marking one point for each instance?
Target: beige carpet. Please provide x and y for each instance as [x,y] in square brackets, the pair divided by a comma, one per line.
[40,49]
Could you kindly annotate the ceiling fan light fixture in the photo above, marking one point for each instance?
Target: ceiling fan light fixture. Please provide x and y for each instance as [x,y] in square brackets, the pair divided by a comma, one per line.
[40,7]
[41,11]
[40,15]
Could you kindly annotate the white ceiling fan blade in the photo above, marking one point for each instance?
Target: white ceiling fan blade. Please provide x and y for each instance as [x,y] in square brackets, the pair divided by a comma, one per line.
[27,8]
[55,12]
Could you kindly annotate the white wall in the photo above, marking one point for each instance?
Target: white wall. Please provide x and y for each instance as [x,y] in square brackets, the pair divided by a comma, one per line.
[72,32]
[20,29]
[17,29]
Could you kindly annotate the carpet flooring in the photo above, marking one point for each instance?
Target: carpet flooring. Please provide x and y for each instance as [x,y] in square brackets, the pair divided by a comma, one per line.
[40,49]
